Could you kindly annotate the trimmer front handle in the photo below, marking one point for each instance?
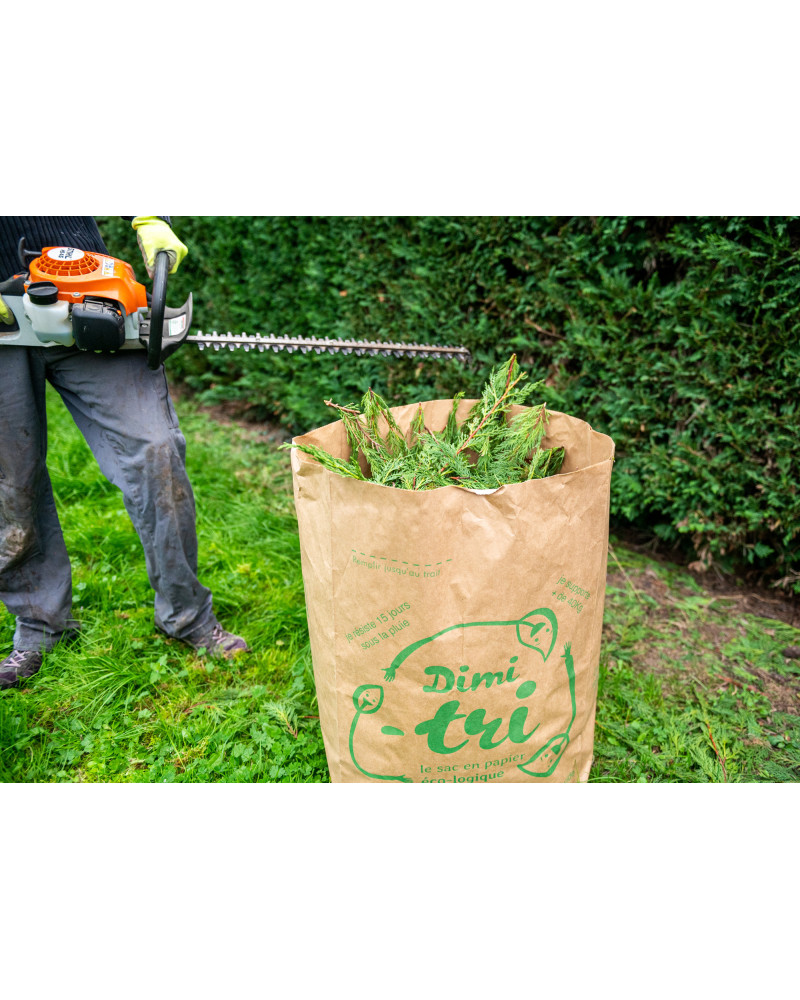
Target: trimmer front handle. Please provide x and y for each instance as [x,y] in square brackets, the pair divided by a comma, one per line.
[151,331]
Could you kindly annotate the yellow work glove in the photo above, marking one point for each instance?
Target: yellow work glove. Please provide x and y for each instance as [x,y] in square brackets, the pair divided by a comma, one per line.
[6,316]
[153,235]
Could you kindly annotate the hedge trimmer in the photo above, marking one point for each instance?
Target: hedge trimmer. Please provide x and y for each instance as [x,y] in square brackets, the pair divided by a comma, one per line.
[70,297]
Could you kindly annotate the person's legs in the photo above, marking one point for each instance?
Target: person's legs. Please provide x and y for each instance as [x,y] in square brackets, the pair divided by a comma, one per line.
[35,576]
[123,410]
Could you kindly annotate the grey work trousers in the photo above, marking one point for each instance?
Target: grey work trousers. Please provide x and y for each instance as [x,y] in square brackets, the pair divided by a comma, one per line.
[125,414]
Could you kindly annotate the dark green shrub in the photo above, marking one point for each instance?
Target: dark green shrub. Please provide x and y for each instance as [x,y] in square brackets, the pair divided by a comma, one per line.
[676,336]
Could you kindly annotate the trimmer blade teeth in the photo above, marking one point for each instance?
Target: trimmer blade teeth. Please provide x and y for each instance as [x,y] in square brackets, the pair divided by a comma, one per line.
[325,345]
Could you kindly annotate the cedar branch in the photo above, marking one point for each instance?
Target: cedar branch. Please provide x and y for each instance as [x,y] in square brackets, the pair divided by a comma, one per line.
[492,410]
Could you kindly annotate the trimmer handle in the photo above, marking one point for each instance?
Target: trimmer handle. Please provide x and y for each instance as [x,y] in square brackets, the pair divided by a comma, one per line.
[158,303]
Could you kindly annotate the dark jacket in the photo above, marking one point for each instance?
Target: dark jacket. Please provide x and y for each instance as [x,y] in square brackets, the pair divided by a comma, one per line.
[45,231]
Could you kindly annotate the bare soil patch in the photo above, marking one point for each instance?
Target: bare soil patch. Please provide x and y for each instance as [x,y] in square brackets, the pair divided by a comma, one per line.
[232,412]
[750,596]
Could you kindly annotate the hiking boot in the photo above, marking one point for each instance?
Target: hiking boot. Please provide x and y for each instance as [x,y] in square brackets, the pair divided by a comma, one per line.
[218,642]
[19,666]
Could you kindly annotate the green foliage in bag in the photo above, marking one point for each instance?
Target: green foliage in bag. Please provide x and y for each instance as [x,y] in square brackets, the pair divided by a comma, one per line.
[676,336]
[485,451]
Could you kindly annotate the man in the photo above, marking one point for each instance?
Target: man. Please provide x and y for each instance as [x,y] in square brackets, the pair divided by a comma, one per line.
[124,411]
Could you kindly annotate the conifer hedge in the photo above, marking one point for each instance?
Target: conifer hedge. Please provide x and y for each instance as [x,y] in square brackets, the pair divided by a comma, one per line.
[679,337]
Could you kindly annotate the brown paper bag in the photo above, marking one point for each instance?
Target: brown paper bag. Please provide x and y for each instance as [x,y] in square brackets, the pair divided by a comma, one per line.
[455,635]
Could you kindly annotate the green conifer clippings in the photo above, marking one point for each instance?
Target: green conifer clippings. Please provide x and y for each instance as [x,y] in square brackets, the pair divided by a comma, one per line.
[485,452]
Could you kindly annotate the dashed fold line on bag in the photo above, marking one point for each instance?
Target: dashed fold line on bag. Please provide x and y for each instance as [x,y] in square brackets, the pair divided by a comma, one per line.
[401,562]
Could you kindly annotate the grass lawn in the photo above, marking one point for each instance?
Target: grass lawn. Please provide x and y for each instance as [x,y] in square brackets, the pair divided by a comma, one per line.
[692,686]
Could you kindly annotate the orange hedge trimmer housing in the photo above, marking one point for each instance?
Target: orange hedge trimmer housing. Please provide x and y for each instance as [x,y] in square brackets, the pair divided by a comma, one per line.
[92,301]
